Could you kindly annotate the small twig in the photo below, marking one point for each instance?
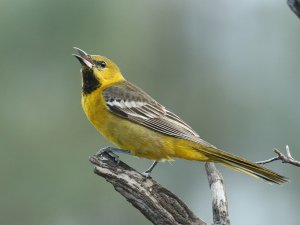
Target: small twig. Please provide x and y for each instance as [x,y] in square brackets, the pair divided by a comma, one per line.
[219,200]
[283,158]
[268,160]
[155,202]
[294,6]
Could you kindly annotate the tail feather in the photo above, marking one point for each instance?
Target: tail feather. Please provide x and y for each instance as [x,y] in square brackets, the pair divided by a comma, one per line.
[242,165]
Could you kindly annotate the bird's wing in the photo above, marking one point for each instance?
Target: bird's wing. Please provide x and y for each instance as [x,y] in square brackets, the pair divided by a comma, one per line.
[132,103]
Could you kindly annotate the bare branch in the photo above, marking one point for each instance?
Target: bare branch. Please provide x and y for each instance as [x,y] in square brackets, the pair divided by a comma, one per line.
[155,202]
[287,158]
[219,200]
[295,6]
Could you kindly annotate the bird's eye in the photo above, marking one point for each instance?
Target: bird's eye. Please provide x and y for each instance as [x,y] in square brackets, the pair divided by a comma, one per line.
[101,64]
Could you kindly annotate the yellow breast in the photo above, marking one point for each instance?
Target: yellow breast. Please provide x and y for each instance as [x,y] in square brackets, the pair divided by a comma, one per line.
[140,141]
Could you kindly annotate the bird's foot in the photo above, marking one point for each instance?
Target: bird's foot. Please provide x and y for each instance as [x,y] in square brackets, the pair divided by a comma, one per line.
[110,152]
[147,173]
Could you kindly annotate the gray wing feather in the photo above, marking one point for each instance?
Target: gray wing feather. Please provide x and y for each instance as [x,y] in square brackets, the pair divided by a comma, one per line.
[129,101]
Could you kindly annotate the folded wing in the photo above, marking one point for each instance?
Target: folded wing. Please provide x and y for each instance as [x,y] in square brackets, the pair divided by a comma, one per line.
[130,102]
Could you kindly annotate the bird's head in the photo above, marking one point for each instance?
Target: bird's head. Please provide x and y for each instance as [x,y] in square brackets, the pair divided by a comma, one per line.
[97,71]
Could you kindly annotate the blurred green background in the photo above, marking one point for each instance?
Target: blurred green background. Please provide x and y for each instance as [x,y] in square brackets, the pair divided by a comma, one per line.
[229,68]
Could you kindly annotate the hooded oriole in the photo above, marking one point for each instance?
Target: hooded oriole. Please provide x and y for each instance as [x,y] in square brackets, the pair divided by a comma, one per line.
[134,121]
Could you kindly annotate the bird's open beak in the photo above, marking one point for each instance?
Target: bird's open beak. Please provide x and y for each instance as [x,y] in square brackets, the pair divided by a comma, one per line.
[83,58]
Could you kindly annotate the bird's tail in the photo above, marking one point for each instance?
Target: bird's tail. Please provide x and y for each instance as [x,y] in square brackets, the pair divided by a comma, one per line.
[242,165]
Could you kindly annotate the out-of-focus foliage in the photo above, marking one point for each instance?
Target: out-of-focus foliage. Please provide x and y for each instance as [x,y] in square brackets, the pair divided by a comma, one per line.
[229,68]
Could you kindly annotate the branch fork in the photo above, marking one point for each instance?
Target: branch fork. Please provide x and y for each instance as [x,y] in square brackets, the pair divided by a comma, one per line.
[160,205]
[284,158]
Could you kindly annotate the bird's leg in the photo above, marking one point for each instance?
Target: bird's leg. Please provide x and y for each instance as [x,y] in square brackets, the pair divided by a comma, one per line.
[111,151]
[147,173]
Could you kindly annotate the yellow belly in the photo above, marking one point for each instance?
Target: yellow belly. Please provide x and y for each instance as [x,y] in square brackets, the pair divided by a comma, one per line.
[139,140]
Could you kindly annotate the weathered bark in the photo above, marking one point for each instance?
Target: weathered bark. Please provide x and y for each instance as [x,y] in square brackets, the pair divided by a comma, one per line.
[219,199]
[157,204]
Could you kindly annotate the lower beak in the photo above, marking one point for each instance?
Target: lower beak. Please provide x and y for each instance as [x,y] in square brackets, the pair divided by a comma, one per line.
[83,58]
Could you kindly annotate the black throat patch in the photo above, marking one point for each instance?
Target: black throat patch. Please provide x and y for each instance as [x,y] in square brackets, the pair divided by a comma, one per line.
[89,81]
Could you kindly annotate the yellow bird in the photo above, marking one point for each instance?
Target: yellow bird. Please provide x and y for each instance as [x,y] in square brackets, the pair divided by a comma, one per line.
[134,121]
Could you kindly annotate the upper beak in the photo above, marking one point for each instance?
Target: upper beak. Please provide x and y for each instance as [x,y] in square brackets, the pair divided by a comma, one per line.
[83,58]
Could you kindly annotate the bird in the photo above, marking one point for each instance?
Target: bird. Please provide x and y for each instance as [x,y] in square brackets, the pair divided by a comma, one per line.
[139,125]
